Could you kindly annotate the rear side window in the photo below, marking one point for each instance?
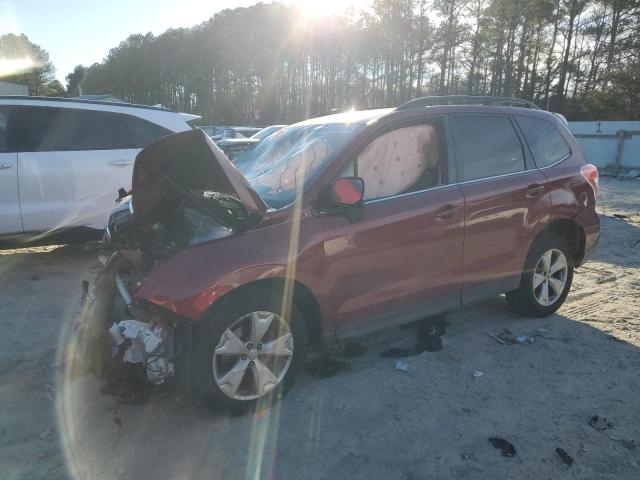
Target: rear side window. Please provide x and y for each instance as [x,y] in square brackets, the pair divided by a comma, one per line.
[64,129]
[487,146]
[546,143]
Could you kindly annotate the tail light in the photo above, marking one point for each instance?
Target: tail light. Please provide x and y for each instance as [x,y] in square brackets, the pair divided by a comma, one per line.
[590,174]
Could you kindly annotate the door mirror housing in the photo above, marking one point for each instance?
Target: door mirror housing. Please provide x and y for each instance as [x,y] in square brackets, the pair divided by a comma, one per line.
[347,191]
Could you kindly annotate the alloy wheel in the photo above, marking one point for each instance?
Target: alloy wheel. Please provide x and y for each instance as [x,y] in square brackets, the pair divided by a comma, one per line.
[550,277]
[253,355]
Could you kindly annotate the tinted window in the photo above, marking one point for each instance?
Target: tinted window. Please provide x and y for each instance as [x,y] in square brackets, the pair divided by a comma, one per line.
[58,129]
[546,143]
[487,146]
[404,160]
[7,130]
[4,131]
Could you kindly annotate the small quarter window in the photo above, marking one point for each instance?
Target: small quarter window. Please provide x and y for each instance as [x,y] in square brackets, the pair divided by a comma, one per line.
[546,143]
[487,146]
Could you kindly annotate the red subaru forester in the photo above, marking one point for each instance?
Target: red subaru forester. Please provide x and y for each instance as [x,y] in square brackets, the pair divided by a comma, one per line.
[224,275]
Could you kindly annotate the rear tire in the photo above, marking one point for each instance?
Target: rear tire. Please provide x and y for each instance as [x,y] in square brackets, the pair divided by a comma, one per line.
[546,279]
[241,351]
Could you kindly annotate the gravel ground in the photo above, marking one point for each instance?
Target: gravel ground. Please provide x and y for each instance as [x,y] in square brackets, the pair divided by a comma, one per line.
[371,421]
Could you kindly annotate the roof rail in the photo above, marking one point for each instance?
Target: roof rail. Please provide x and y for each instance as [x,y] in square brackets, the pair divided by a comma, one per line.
[466,100]
[83,102]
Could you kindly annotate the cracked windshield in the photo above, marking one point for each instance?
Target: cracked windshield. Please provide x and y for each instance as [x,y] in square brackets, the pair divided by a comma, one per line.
[357,239]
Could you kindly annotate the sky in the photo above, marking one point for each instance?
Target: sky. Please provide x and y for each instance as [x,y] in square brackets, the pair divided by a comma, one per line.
[82,31]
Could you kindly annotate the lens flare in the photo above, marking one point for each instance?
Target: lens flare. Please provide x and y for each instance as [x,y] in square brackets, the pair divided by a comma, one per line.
[15,66]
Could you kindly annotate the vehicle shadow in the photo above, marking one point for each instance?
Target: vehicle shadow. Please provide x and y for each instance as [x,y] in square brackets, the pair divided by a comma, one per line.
[374,421]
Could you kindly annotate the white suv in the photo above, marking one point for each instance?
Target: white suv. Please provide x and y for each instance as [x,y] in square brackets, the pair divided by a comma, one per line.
[62,161]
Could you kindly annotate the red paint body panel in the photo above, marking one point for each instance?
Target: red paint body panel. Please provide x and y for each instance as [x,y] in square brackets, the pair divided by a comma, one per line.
[398,256]
[501,222]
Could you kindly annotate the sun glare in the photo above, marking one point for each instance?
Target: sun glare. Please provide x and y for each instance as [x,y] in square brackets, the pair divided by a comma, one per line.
[13,66]
[321,8]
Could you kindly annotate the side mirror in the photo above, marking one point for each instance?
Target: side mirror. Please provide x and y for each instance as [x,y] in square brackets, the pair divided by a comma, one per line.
[347,191]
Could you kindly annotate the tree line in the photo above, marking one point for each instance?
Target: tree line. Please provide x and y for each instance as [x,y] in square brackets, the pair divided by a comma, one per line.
[269,63]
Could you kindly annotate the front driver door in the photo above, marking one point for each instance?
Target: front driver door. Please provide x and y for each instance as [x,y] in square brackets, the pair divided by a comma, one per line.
[403,259]
[10,221]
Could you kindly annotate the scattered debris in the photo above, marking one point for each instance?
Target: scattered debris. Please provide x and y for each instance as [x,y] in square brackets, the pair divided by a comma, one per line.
[564,456]
[508,450]
[600,423]
[507,337]
[403,366]
[621,216]
[478,373]
[468,456]
[429,336]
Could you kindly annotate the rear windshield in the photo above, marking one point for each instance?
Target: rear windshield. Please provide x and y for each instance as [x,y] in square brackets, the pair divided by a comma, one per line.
[284,162]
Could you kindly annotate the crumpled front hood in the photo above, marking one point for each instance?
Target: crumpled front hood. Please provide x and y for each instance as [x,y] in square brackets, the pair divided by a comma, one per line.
[188,166]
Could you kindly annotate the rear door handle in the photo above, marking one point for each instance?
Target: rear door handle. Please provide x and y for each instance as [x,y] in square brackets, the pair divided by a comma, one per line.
[535,190]
[4,166]
[447,212]
[119,163]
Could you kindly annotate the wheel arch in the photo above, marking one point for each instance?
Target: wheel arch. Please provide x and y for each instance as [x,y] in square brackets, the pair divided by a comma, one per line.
[571,232]
[303,299]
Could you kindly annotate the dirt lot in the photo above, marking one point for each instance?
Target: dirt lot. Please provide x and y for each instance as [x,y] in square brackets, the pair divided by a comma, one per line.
[371,421]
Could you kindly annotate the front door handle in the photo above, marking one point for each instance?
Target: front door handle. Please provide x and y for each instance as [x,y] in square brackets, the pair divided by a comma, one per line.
[535,190]
[4,166]
[119,163]
[447,212]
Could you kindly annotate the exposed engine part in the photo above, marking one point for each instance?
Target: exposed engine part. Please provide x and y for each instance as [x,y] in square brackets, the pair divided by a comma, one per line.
[122,289]
[147,343]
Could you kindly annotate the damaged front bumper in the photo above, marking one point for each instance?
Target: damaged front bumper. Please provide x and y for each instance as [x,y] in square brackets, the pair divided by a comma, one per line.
[116,330]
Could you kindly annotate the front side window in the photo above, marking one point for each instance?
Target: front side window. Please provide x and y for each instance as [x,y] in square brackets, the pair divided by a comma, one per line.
[546,143]
[404,160]
[66,129]
[486,146]
[281,164]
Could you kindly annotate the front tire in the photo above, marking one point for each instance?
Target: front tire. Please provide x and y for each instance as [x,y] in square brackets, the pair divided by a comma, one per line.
[546,279]
[248,351]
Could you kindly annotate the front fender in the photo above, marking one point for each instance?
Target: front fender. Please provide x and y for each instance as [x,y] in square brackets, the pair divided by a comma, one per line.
[189,289]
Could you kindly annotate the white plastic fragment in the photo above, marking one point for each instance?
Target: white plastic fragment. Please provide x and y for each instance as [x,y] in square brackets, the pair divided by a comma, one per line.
[402,366]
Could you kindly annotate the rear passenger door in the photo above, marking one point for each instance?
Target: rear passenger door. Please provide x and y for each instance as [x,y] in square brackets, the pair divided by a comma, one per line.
[505,202]
[9,203]
[72,162]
